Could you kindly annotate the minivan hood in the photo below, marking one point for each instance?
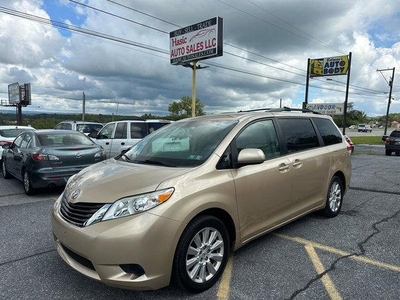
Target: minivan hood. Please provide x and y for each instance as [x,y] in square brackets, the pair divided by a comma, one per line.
[110,180]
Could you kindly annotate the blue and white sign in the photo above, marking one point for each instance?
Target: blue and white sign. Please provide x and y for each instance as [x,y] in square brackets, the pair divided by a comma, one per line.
[327,108]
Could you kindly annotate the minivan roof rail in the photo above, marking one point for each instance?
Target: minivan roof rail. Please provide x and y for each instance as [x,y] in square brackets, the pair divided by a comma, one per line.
[280,109]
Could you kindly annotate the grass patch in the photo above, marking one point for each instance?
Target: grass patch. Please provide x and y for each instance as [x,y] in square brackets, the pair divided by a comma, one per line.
[370,140]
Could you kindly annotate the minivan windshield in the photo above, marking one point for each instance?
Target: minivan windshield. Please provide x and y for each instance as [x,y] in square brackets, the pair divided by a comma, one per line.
[180,144]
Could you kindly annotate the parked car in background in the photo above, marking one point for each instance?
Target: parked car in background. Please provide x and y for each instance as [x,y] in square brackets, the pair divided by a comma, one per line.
[81,126]
[8,133]
[175,205]
[119,136]
[350,142]
[352,127]
[47,158]
[392,142]
[364,128]
[156,124]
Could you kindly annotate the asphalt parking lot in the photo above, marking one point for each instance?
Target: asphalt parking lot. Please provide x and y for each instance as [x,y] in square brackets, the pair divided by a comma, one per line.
[353,256]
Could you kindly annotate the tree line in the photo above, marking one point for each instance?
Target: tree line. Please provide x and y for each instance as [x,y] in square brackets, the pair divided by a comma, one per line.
[177,110]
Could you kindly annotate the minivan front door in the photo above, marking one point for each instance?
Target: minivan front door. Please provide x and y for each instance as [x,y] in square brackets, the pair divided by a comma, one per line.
[263,191]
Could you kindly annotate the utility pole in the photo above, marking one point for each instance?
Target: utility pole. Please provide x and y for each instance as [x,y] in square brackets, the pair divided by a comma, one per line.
[390,96]
[83,106]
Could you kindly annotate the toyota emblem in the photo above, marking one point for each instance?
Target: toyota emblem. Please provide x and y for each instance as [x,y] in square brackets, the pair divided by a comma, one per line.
[75,194]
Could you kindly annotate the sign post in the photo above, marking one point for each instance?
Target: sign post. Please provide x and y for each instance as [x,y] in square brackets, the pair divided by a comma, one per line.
[19,95]
[330,66]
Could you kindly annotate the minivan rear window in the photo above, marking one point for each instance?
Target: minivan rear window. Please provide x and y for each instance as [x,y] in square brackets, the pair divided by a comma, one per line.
[298,134]
[330,134]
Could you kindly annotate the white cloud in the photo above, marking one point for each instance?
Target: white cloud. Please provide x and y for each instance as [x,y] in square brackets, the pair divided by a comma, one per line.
[276,38]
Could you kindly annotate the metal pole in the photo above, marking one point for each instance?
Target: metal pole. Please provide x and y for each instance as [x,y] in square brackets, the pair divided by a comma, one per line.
[390,97]
[389,101]
[307,82]
[194,89]
[83,106]
[347,95]
[19,107]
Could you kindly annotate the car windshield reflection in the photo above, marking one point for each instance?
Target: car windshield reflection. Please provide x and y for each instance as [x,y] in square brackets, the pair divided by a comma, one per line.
[181,144]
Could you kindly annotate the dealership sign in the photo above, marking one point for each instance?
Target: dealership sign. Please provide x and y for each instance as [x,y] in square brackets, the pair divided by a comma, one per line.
[327,108]
[196,42]
[19,94]
[329,66]
[13,93]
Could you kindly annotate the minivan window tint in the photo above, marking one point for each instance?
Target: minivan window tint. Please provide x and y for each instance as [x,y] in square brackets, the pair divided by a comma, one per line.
[298,134]
[330,134]
[260,135]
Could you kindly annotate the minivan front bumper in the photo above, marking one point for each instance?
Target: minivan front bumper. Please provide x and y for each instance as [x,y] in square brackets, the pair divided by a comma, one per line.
[100,251]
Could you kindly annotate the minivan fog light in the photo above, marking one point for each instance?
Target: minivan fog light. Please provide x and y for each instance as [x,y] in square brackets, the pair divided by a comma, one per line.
[137,204]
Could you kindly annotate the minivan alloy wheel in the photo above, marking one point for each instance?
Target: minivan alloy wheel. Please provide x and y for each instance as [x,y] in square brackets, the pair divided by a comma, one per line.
[201,254]
[334,197]
[204,256]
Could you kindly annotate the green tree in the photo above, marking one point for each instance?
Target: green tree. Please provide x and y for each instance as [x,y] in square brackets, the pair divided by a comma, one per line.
[183,108]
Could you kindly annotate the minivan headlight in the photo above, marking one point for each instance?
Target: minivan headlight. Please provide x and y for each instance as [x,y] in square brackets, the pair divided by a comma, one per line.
[130,206]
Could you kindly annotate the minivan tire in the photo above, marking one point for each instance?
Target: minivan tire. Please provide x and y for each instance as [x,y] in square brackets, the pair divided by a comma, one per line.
[195,252]
[334,198]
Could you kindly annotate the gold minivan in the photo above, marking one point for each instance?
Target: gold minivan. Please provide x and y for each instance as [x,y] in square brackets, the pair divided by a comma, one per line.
[173,207]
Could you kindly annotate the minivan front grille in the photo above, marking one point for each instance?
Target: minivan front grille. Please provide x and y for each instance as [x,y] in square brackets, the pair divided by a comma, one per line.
[78,213]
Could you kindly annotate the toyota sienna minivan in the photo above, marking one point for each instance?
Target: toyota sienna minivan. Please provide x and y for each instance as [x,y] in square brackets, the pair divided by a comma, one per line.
[173,207]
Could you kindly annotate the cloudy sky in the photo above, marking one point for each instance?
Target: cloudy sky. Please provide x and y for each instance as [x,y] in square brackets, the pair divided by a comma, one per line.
[117,53]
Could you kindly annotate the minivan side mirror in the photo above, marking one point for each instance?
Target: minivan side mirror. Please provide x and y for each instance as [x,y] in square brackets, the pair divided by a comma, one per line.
[251,156]
[6,146]
[384,137]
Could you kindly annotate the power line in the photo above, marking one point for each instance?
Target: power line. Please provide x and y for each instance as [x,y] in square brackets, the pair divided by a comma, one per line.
[139,45]
[119,17]
[79,29]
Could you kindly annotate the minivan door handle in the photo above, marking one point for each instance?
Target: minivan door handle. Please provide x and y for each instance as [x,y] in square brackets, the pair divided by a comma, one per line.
[122,143]
[297,163]
[283,168]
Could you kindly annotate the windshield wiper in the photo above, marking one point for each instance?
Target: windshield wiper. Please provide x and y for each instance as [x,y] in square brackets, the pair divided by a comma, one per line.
[157,162]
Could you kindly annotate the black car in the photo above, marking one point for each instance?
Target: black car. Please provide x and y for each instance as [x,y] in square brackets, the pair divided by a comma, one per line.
[47,158]
[392,143]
